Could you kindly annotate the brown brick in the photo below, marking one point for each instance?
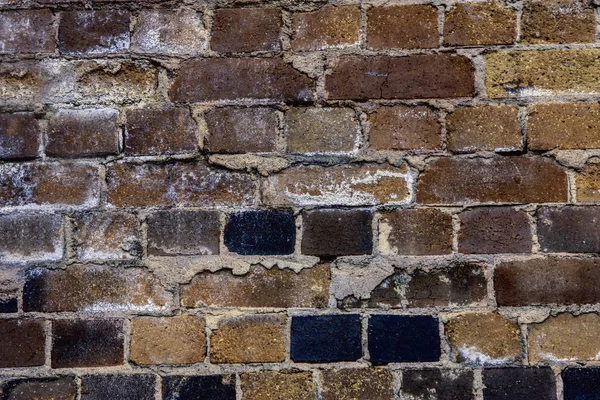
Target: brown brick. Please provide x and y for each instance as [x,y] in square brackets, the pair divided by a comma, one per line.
[424,231]
[327,27]
[405,128]
[237,30]
[483,338]
[357,384]
[94,32]
[28,82]
[137,185]
[93,289]
[260,287]
[321,130]
[484,128]
[563,126]
[588,183]
[491,230]
[23,343]
[19,136]
[83,133]
[569,229]
[278,385]
[474,24]
[565,338]
[352,185]
[30,237]
[241,130]
[334,232]
[160,131]
[237,78]
[87,343]
[402,27]
[497,179]
[410,77]
[170,340]
[106,235]
[27,31]
[41,389]
[249,339]
[542,73]
[547,281]
[558,21]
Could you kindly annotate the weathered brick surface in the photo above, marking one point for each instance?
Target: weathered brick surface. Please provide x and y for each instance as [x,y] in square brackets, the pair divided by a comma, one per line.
[181,232]
[97,387]
[558,21]
[274,385]
[64,388]
[261,232]
[337,232]
[519,383]
[137,185]
[580,382]
[568,229]
[359,384]
[327,27]
[19,136]
[23,343]
[209,387]
[30,237]
[27,31]
[93,32]
[587,183]
[473,24]
[403,27]
[440,384]
[239,30]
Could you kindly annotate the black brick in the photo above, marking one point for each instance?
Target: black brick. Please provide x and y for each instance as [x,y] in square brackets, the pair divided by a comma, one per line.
[210,387]
[262,232]
[63,388]
[122,387]
[519,384]
[581,383]
[8,306]
[435,384]
[569,229]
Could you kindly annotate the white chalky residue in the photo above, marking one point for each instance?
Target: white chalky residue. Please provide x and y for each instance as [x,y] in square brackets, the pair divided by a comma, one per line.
[123,307]
[116,44]
[472,355]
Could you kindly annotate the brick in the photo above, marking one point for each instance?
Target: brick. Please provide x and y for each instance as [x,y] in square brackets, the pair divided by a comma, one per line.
[547,281]
[405,128]
[63,388]
[83,133]
[326,338]
[30,237]
[23,343]
[241,130]
[343,185]
[402,27]
[237,30]
[27,31]
[558,21]
[208,387]
[19,136]
[169,340]
[87,343]
[261,232]
[402,338]
[9,306]
[519,383]
[182,232]
[484,128]
[492,230]
[239,78]
[475,24]
[587,183]
[569,229]
[130,387]
[409,77]
[106,236]
[260,287]
[563,126]
[28,82]
[321,130]
[131,185]
[483,338]
[496,179]
[460,284]
[581,383]
[437,384]
[93,288]
[327,27]
[278,385]
[337,232]
[425,231]
[94,32]
[249,339]
[166,32]
[542,73]
[564,338]
[358,384]
[160,131]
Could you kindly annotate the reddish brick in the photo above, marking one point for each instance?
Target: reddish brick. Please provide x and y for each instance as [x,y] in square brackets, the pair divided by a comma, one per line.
[19,136]
[330,233]
[497,179]
[94,32]
[403,27]
[410,77]
[137,185]
[41,389]
[357,384]
[569,229]
[278,385]
[474,24]
[558,21]
[30,237]
[329,26]
[23,343]
[83,133]
[237,30]
[27,31]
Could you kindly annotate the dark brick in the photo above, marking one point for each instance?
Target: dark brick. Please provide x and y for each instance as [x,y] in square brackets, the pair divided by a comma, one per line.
[357,384]
[23,343]
[94,32]
[25,237]
[410,77]
[474,23]
[337,232]
[246,29]
[403,27]
[64,388]
[9,306]
[558,21]
[19,136]
[437,384]
[403,338]
[326,338]
[27,31]
[122,387]
[569,229]
[491,230]
[261,232]
[87,343]
[581,383]
[329,26]
[519,384]
[209,387]
[160,131]
[181,232]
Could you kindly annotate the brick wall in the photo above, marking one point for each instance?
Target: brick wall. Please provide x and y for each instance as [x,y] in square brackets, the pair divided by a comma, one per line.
[299,200]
